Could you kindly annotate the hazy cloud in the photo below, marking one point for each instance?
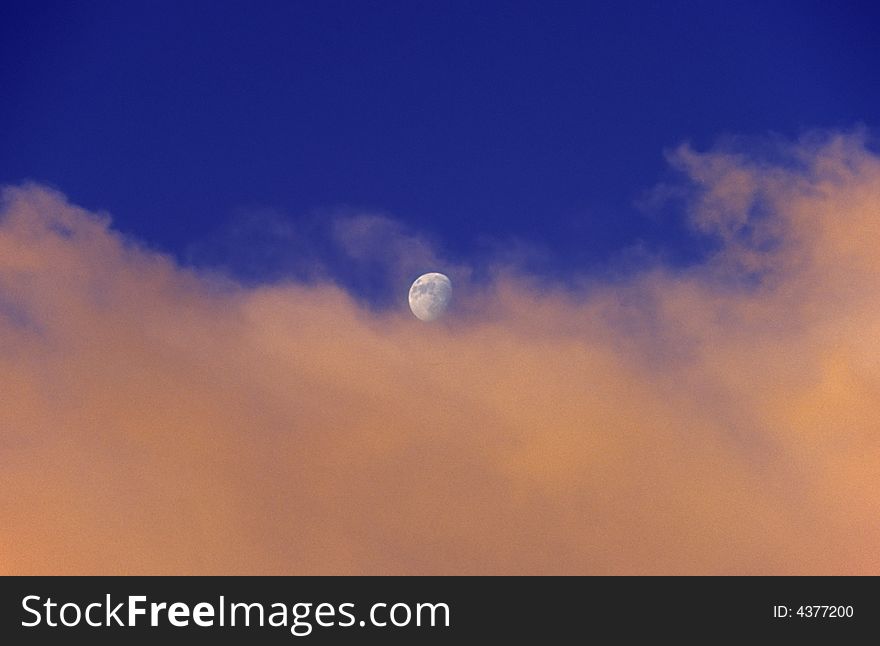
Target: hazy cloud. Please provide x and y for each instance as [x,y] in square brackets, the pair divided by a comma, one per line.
[723,418]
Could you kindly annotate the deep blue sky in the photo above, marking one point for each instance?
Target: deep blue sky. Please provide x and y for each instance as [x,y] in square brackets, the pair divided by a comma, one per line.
[466,120]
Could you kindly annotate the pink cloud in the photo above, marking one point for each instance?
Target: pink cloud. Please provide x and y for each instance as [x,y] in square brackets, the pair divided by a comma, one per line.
[717,419]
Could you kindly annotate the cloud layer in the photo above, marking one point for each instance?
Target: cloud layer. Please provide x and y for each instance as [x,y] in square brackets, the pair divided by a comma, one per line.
[723,418]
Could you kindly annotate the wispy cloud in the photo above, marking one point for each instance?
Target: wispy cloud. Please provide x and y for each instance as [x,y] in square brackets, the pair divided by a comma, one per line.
[721,418]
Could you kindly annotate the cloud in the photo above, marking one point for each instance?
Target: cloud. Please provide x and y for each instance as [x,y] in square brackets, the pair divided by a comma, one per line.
[369,254]
[721,418]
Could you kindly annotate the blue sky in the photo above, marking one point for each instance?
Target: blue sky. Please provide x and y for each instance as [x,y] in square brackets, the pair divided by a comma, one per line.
[471,123]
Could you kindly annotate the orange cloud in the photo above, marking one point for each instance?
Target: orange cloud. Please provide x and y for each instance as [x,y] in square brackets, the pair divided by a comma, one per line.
[719,419]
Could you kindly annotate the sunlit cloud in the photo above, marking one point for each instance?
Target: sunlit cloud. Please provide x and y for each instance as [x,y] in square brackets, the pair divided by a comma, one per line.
[717,418]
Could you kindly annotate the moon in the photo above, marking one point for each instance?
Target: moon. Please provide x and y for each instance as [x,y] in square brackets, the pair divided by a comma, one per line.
[429,296]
